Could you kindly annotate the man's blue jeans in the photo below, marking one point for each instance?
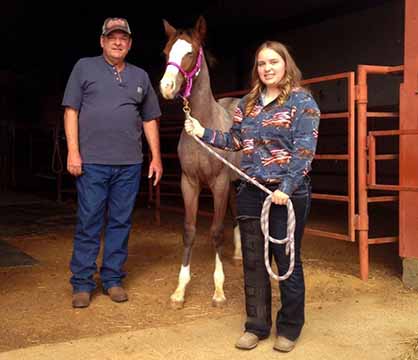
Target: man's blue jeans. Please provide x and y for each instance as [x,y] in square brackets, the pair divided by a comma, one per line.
[106,198]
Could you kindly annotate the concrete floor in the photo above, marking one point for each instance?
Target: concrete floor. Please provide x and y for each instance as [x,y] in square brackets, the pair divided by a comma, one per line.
[214,339]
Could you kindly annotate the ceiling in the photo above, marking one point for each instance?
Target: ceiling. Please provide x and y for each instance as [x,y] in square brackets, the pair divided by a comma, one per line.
[182,13]
[61,34]
[263,12]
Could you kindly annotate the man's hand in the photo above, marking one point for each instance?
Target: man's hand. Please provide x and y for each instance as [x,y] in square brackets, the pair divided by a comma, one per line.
[279,198]
[193,127]
[74,163]
[155,169]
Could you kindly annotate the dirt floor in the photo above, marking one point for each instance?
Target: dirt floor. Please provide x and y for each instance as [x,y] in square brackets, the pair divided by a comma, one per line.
[36,300]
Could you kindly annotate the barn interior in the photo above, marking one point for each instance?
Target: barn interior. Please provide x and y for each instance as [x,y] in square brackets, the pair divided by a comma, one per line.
[33,140]
[329,39]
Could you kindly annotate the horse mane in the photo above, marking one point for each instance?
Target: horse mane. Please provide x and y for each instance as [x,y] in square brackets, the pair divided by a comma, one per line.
[188,32]
[210,58]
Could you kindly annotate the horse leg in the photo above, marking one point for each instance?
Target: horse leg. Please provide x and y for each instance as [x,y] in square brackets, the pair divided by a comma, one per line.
[220,200]
[237,257]
[190,190]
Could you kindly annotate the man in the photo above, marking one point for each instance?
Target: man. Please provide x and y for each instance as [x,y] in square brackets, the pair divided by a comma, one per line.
[108,102]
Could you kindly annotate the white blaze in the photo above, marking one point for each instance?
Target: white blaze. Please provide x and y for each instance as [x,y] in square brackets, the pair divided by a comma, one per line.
[178,51]
[168,82]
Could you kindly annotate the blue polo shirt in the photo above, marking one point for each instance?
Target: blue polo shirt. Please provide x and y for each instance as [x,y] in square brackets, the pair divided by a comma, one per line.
[111,109]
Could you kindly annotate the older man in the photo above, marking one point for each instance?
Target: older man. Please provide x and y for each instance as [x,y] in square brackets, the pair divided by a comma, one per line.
[108,102]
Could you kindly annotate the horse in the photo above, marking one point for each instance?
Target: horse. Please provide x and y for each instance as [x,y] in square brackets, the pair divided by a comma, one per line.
[187,70]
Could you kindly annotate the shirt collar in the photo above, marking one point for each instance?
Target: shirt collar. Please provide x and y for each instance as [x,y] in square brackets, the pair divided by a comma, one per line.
[111,66]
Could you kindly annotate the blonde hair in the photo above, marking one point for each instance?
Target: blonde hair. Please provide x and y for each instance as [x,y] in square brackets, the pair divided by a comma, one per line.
[291,78]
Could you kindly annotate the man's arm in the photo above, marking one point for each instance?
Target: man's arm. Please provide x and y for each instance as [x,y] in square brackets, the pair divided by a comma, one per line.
[74,161]
[153,139]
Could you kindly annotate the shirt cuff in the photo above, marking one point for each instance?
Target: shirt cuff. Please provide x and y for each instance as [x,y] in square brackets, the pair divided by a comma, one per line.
[207,135]
[287,187]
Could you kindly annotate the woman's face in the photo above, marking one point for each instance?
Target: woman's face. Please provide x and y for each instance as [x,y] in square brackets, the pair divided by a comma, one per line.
[270,66]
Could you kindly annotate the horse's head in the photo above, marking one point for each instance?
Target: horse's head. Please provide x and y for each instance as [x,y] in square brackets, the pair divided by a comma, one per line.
[183,52]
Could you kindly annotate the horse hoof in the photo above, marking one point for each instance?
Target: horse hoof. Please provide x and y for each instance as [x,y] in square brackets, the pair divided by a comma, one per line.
[218,303]
[177,305]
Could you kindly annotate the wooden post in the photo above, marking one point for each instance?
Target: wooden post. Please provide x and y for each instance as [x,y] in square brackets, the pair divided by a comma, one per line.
[408,153]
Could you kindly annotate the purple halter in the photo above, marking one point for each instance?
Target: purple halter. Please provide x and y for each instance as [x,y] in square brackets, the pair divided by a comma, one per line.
[189,75]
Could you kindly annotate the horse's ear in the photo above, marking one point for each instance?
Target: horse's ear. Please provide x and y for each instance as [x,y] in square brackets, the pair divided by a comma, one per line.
[200,27]
[169,30]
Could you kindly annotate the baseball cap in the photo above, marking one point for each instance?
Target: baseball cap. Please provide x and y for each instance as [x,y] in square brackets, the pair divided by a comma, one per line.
[112,24]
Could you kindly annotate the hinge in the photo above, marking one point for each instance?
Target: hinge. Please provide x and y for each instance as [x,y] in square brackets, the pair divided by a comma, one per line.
[361,223]
[361,93]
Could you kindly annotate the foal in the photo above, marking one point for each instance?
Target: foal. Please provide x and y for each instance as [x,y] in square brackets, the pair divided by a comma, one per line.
[187,69]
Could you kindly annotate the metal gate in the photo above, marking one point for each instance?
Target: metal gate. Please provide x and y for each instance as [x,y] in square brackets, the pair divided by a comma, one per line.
[367,162]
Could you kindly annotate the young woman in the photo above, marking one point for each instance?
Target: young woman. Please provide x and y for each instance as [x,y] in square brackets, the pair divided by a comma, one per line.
[276,127]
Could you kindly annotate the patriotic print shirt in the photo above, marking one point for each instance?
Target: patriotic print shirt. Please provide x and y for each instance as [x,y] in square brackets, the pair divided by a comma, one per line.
[278,142]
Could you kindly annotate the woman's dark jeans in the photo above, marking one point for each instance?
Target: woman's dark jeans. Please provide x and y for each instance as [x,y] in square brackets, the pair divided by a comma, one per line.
[291,316]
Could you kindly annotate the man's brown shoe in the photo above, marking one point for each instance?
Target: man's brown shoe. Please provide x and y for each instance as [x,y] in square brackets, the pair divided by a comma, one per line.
[284,344]
[81,299]
[117,294]
[247,341]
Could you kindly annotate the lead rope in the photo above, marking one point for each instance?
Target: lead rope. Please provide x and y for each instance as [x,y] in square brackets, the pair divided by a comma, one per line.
[289,240]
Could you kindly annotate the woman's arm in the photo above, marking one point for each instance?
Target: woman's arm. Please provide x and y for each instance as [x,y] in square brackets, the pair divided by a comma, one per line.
[230,140]
[305,136]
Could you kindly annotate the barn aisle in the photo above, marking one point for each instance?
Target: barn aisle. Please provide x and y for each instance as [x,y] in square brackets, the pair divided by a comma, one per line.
[346,317]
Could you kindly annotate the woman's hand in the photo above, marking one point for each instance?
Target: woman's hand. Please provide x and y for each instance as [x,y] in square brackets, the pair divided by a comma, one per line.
[193,127]
[279,197]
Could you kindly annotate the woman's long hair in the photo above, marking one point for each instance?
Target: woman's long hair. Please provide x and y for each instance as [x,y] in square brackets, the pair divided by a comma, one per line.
[291,78]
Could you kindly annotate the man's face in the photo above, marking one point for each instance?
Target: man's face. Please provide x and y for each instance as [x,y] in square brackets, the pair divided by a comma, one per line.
[116,45]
